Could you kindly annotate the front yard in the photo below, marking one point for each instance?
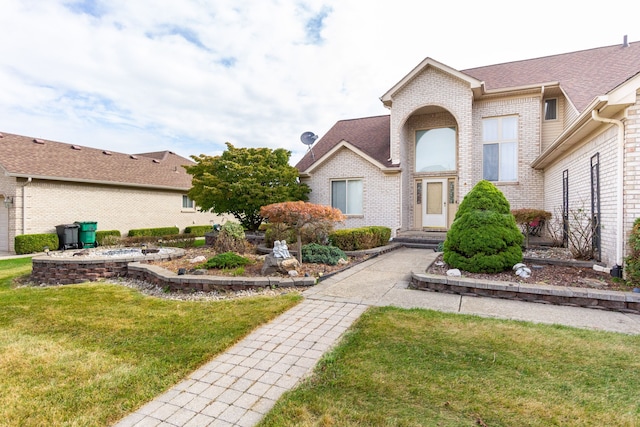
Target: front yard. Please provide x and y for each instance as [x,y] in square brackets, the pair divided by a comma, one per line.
[88,354]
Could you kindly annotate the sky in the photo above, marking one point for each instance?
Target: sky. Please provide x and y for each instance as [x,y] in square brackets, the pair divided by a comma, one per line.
[136,76]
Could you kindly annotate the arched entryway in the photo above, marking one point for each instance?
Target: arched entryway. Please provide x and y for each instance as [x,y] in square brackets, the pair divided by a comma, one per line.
[431,145]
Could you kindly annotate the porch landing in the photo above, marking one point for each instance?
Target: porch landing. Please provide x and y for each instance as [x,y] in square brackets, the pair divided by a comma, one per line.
[427,239]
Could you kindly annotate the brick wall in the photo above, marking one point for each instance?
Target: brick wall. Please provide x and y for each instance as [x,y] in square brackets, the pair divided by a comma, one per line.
[114,208]
[381,193]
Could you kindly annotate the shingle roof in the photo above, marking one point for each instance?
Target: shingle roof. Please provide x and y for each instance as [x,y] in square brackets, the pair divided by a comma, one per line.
[369,134]
[583,75]
[26,156]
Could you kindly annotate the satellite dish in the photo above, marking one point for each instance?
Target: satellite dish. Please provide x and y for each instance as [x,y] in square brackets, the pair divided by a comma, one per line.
[308,138]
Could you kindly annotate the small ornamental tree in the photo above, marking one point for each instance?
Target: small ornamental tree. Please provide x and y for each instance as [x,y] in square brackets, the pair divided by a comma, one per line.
[241,180]
[484,236]
[299,215]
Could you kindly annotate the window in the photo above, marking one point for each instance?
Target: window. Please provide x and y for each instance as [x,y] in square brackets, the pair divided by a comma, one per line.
[550,109]
[187,203]
[346,195]
[500,148]
[436,150]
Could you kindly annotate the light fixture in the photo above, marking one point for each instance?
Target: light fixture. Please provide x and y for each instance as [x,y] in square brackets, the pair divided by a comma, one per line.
[8,201]
[46,250]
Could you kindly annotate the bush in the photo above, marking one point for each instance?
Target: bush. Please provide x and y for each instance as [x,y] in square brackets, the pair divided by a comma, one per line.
[632,273]
[531,221]
[354,239]
[230,238]
[484,236]
[31,243]
[226,260]
[158,232]
[321,254]
[175,240]
[108,237]
[198,230]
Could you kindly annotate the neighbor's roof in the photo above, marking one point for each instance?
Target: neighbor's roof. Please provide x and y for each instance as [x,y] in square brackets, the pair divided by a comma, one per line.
[582,75]
[369,134]
[24,156]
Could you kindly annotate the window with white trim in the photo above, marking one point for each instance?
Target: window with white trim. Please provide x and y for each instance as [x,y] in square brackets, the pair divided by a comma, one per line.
[346,195]
[187,203]
[550,109]
[500,148]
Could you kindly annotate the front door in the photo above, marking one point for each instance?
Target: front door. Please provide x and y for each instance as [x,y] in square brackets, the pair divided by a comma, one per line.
[434,206]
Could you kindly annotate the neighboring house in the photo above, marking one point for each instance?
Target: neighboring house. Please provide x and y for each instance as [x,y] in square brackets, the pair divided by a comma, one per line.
[45,183]
[558,133]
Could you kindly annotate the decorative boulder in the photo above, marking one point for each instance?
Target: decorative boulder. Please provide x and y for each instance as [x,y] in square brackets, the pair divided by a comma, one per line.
[273,264]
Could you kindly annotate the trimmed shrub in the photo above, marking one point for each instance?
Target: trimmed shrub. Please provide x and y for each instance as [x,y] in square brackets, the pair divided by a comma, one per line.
[31,243]
[108,237]
[321,254]
[354,239]
[158,232]
[632,272]
[198,230]
[484,236]
[226,260]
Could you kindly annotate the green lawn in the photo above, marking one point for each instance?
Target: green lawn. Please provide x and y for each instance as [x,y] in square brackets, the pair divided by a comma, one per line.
[86,355]
[423,368]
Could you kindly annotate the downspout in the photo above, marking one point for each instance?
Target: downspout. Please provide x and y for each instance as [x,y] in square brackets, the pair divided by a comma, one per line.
[24,205]
[620,188]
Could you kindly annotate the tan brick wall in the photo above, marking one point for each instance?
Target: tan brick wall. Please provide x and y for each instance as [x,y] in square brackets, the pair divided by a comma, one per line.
[453,99]
[578,164]
[527,192]
[50,203]
[380,192]
[437,89]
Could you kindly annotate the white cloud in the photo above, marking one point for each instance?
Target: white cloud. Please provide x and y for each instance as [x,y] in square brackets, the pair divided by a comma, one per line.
[189,76]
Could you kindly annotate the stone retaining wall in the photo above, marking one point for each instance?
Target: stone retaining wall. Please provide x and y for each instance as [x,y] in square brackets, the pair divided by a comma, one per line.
[627,302]
[169,280]
[65,270]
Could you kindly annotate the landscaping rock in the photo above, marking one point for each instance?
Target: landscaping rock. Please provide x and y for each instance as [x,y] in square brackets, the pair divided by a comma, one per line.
[273,264]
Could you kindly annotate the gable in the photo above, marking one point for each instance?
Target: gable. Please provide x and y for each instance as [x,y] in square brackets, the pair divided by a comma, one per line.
[367,136]
[23,156]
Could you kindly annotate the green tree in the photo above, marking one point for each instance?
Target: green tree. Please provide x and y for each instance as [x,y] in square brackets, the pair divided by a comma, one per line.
[484,236]
[242,180]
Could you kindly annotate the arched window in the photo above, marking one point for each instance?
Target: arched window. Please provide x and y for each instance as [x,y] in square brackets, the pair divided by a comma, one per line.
[436,150]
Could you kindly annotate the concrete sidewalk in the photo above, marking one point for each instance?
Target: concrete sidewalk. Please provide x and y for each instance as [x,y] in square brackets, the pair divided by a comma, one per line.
[241,385]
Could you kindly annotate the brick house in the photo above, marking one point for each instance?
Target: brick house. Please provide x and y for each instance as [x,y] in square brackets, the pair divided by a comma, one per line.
[46,183]
[558,133]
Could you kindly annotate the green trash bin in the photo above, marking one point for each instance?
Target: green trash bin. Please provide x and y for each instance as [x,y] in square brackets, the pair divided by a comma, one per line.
[87,233]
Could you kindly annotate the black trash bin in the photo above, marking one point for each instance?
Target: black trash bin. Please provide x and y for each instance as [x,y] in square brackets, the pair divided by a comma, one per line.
[67,236]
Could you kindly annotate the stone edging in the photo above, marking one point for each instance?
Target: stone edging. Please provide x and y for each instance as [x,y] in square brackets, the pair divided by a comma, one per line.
[164,278]
[627,302]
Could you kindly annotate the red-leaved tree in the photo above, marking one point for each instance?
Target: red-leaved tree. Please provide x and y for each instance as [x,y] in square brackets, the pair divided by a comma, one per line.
[298,215]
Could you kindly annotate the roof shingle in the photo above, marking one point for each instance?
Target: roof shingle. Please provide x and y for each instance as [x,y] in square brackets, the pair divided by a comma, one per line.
[22,156]
[582,75]
[369,134]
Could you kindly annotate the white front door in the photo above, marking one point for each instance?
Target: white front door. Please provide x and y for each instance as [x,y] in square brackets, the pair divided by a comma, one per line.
[434,206]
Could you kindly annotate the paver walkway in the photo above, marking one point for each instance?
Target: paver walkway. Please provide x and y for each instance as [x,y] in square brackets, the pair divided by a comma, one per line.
[241,385]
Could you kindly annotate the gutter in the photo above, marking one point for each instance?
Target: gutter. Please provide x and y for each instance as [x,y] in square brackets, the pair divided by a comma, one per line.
[619,185]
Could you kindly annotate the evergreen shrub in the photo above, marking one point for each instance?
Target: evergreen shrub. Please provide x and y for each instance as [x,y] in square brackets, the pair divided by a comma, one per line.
[484,237]
[322,254]
[198,230]
[226,260]
[158,232]
[31,243]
